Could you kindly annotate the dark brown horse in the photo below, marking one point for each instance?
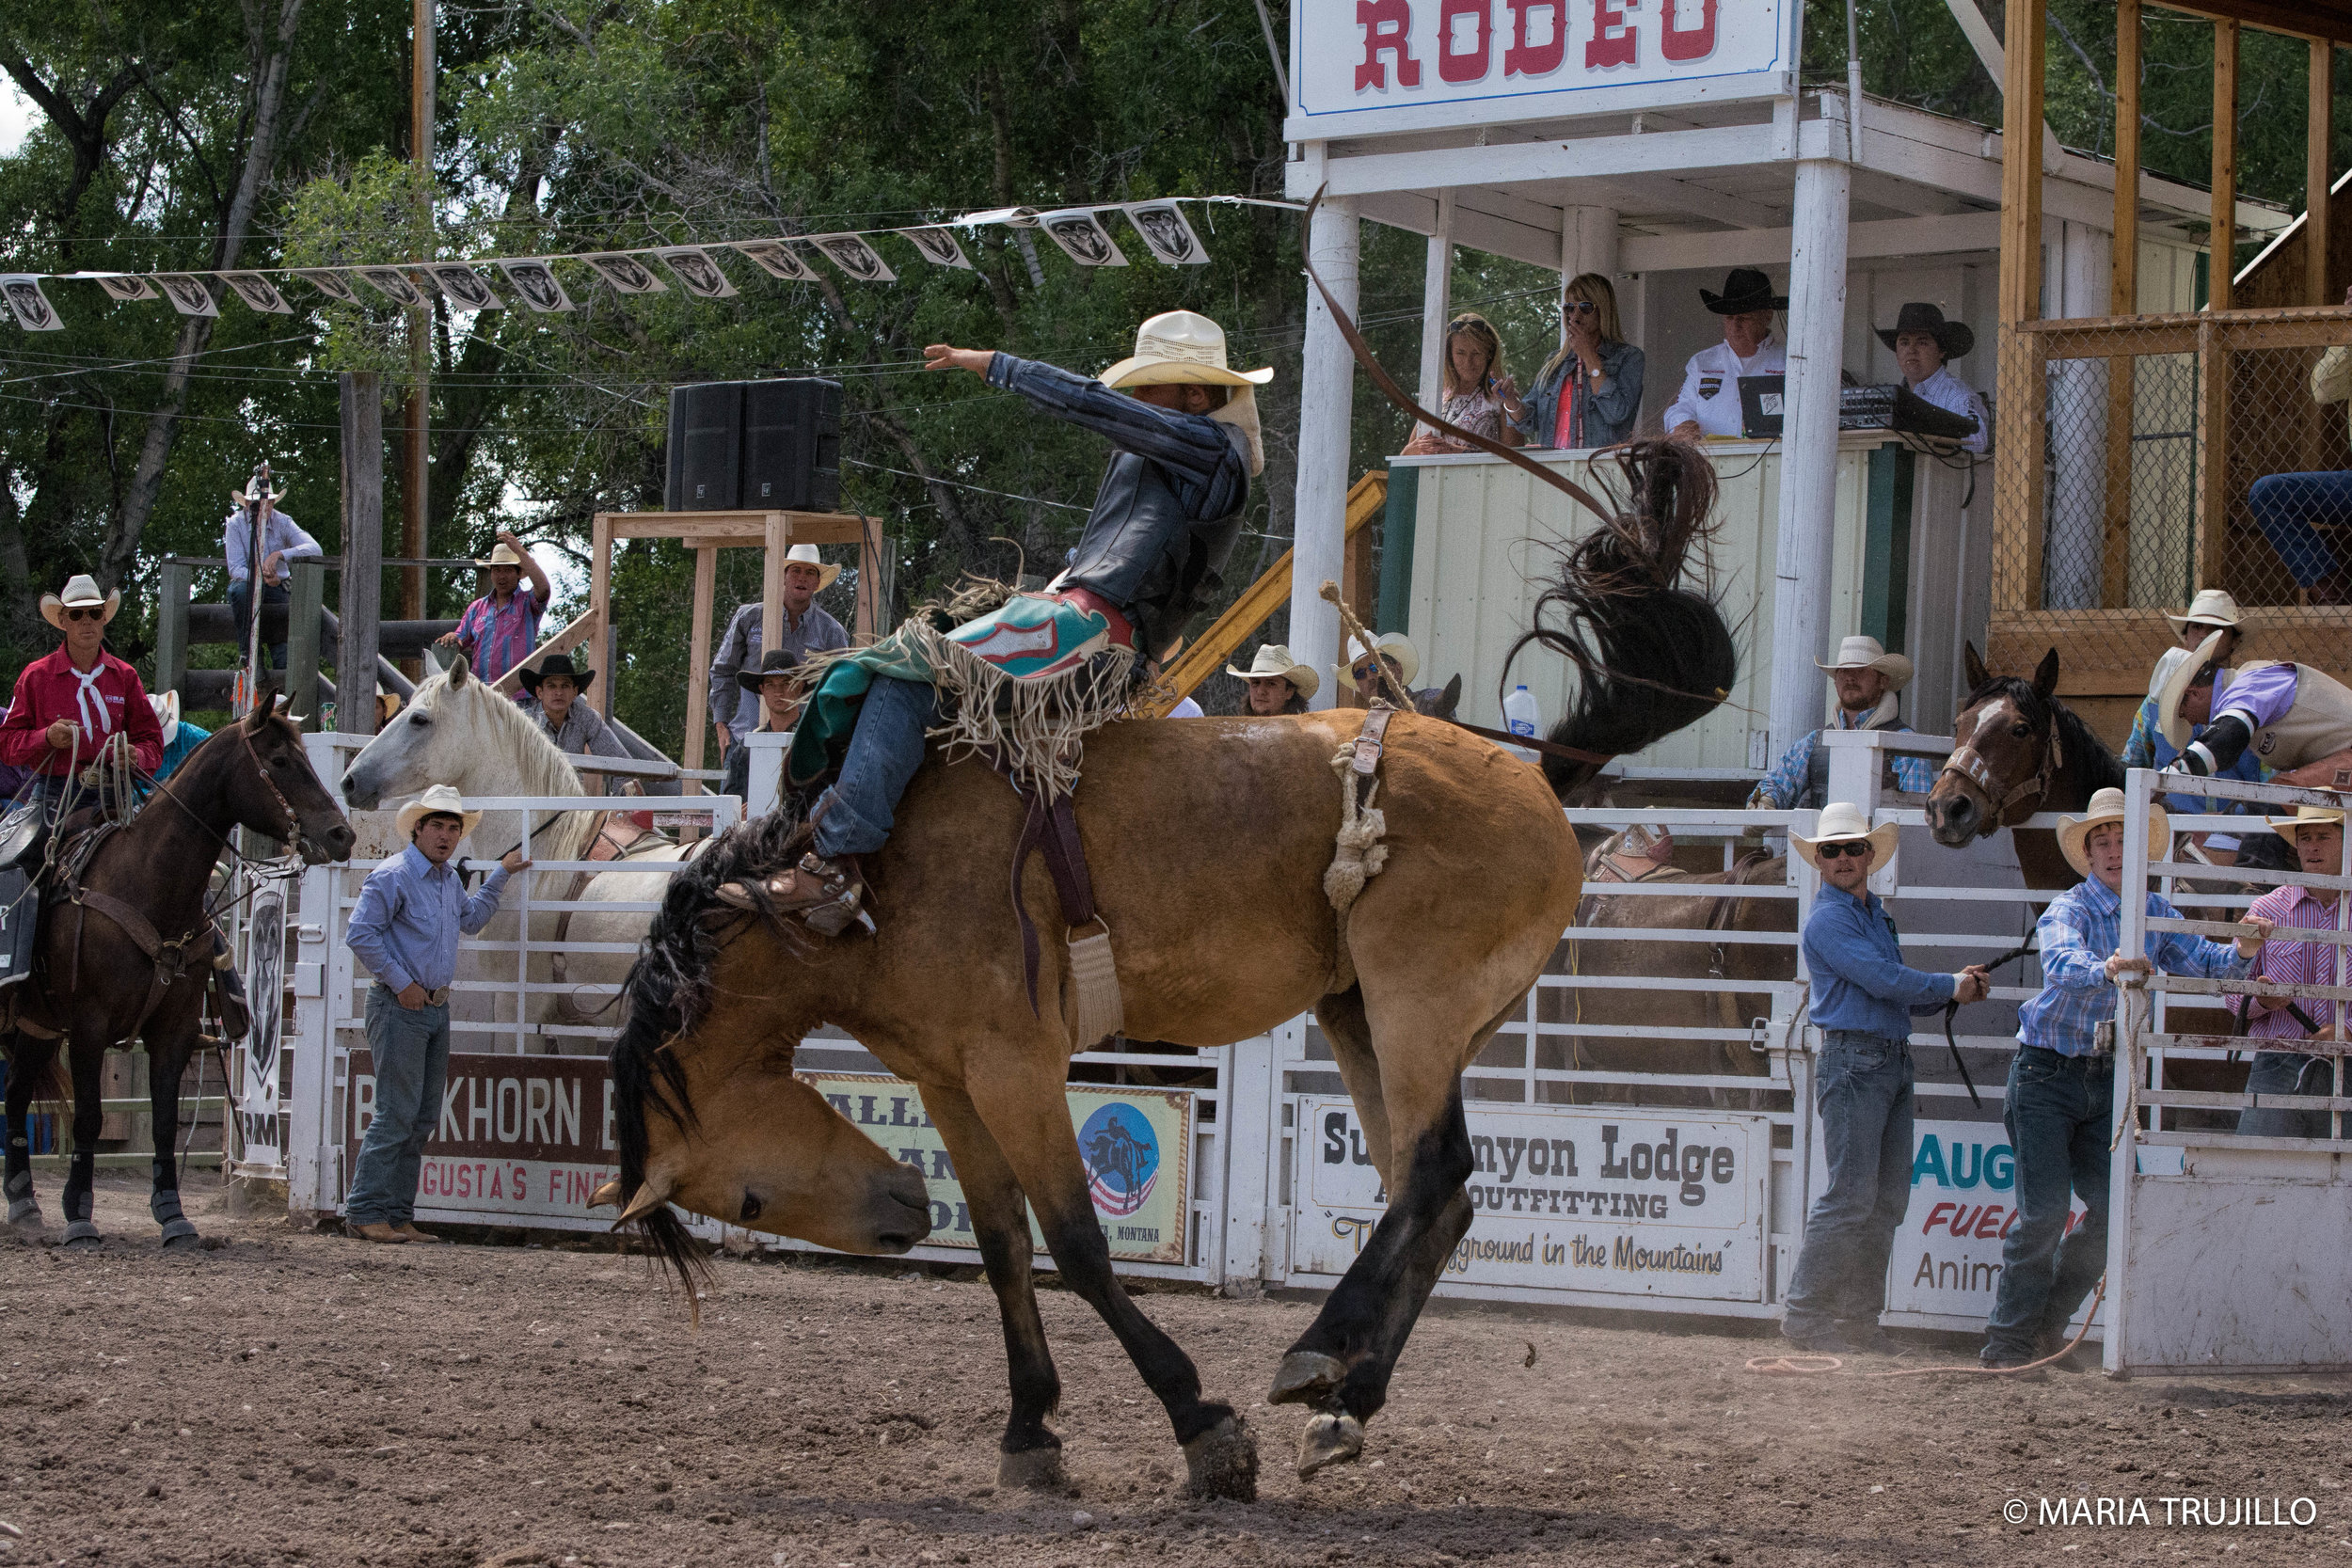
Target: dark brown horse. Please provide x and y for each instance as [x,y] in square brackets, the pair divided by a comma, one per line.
[100,980]
[2018,751]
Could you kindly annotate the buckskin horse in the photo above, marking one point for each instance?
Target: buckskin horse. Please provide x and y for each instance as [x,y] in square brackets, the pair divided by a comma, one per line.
[105,970]
[1209,842]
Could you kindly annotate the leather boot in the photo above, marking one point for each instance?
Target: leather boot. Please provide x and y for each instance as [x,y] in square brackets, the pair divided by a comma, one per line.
[379,1232]
[826,893]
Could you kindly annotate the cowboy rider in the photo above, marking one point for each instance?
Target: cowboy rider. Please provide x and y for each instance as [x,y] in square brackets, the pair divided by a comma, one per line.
[79,701]
[1866,679]
[1184,429]
[2213,611]
[2286,714]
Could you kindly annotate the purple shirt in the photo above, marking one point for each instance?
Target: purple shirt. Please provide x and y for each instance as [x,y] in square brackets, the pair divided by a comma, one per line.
[2295,963]
[2261,693]
[495,637]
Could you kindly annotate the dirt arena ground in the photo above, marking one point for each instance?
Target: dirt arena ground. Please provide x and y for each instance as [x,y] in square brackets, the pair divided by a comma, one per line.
[290,1397]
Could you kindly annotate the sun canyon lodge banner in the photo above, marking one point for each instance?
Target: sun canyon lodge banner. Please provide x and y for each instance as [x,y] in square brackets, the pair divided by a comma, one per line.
[1397,65]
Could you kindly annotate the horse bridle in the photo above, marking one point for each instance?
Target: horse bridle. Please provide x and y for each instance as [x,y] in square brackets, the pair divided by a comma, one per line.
[1970,765]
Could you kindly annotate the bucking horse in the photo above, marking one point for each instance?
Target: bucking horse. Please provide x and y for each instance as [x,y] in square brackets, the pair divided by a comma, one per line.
[1208,844]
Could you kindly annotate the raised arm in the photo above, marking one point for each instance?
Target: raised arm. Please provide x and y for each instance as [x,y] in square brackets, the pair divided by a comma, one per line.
[1192,444]
[542,589]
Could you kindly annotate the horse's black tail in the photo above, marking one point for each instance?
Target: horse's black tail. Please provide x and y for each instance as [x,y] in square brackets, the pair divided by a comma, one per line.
[1653,655]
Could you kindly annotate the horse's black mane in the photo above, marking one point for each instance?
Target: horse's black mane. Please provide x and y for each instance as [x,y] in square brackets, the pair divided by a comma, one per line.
[2101,767]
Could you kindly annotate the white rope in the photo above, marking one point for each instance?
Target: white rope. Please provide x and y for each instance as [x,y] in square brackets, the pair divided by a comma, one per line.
[1359,854]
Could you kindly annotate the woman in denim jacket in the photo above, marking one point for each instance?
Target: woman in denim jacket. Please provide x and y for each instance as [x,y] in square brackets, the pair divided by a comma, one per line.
[1590,393]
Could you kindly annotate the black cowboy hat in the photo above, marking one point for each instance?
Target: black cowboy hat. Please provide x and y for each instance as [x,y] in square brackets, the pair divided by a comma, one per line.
[1953,337]
[775,662]
[1744,289]
[556,664]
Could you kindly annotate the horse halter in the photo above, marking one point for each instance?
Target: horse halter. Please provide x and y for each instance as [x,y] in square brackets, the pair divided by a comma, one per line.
[1969,764]
[293,821]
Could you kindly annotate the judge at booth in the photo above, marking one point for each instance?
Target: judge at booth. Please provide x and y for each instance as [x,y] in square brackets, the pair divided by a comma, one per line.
[1708,403]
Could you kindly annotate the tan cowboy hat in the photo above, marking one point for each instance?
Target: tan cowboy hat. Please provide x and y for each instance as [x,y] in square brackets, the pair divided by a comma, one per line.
[502,554]
[2177,729]
[440,800]
[260,487]
[805,555]
[1275,660]
[2107,806]
[2306,816]
[167,706]
[1395,643]
[80,590]
[1863,653]
[1177,347]
[2212,606]
[1842,823]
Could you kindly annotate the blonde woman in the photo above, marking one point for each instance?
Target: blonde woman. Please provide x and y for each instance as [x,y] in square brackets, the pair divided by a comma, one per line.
[1589,393]
[1480,394]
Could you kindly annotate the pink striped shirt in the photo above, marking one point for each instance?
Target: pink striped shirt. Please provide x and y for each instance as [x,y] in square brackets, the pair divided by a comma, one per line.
[2300,963]
[494,637]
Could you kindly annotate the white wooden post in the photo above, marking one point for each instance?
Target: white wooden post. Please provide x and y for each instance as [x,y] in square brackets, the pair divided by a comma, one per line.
[1808,472]
[765,785]
[1437,294]
[2131,1015]
[1325,397]
[1247,1123]
[1588,242]
[2078,432]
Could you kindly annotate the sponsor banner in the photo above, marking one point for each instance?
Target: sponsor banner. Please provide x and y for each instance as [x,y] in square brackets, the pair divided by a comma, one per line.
[518,1135]
[1564,1198]
[1136,1145]
[1963,1203]
[259,1125]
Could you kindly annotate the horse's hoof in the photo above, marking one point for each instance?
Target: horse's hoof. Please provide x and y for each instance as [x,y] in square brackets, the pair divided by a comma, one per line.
[1032,1469]
[1306,1377]
[24,1216]
[1222,1462]
[1330,1439]
[82,1233]
[179,1236]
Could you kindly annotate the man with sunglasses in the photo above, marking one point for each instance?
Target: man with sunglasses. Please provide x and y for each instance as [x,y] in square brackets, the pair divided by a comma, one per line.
[79,700]
[1863,999]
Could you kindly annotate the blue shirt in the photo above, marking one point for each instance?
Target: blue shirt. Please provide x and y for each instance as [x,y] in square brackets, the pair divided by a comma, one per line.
[406,924]
[281,535]
[2080,930]
[187,739]
[2148,748]
[1860,982]
[1913,775]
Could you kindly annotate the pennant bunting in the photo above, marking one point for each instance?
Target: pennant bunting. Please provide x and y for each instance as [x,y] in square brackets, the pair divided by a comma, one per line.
[334,285]
[1082,237]
[187,293]
[626,274]
[696,273]
[1168,234]
[258,292]
[29,304]
[776,258]
[939,248]
[394,284]
[852,255]
[535,282]
[123,286]
[464,286]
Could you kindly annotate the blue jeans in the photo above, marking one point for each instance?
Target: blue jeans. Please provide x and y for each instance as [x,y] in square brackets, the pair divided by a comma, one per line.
[2060,1116]
[412,1054]
[2287,1072]
[1863,1088]
[886,749]
[241,611]
[2286,507]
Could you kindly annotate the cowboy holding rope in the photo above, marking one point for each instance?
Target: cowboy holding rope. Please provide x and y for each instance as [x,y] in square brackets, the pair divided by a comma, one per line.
[78,701]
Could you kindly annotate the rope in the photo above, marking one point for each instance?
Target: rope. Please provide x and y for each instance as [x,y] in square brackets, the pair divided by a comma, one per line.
[1359,854]
[1354,628]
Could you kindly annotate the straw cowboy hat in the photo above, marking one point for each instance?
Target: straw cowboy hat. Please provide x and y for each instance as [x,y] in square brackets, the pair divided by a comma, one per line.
[80,590]
[502,554]
[775,662]
[805,555]
[555,664]
[2107,806]
[440,800]
[1842,823]
[167,706]
[1952,339]
[1863,653]
[1397,645]
[2176,729]
[260,487]
[1744,289]
[2306,816]
[1275,660]
[1179,348]
[2212,606]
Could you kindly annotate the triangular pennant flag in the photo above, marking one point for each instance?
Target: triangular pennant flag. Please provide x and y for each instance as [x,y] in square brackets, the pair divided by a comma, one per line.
[334,285]
[31,305]
[258,292]
[693,268]
[776,258]
[626,273]
[464,286]
[187,293]
[1082,237]
[535,282]
[123,286]
[938,246]
[852,255]
[1168,234]
[394,284]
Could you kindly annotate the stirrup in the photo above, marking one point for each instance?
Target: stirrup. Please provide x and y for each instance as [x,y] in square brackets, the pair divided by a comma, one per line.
[827,894]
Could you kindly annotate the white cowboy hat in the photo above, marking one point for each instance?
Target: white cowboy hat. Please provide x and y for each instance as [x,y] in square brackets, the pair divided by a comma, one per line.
[1395,643]
[2175,728]
[2305,817]
[440,800]
[1842,823]
[1275,660]
[2107,806]
[1178,347]
[502,554]
[167,706]
[2212,606]
[80,590]
[1863,653]
[805,555]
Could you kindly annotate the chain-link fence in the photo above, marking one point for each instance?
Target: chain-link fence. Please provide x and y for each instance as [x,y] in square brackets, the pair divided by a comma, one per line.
[2140,459]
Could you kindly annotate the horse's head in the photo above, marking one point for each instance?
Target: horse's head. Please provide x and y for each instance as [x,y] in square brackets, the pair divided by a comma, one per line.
[435,738]
[2007,752]
[277,792]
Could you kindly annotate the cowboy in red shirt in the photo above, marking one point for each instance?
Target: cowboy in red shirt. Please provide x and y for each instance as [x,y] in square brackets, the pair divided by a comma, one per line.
[79,700]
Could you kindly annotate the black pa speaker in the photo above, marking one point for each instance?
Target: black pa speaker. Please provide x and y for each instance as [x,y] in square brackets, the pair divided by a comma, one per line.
[792,445]
[706,447]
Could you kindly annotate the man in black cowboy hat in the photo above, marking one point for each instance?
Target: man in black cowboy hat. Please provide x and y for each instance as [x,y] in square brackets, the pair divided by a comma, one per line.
[1924,343]
[554,689]
[1708,403]
[777,685]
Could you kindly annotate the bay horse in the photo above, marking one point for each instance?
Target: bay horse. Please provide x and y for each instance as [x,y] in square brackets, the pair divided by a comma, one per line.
[2018,751]
[99,981]
[1209,842]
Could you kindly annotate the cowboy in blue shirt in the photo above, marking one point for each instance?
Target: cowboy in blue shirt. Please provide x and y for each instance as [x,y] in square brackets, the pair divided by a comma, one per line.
[1863,999]
[1866,679]
[2061,1106]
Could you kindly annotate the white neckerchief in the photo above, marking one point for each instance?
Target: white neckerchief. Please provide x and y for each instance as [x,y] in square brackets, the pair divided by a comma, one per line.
[91,701]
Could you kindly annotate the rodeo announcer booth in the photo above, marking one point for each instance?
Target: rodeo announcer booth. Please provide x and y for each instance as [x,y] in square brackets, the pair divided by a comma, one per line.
[79,700]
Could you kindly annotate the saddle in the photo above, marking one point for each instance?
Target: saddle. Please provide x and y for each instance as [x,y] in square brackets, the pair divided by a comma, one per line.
[1051,825]
[24,833]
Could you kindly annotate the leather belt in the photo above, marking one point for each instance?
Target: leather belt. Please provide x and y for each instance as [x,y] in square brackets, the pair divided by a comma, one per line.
[432,998]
